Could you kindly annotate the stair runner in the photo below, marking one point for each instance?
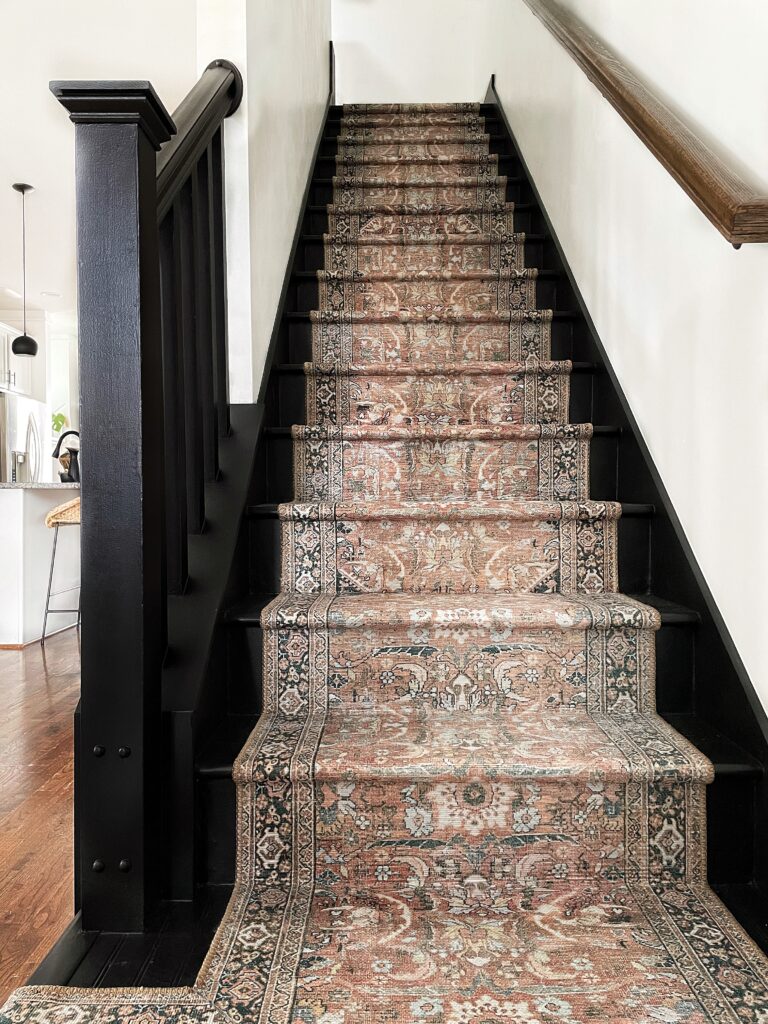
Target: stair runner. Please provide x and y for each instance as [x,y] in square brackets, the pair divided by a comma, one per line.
[459,804]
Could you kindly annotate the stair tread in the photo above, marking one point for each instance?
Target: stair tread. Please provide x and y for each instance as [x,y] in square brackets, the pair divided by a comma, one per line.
[412,210]
[270,509]
[577,366]
[469,181]
[451,510]
[485,610]
[423,240]
[469,368]
[426,275]
[671,611]
[248,611]
[729,758]
[395,161]
[444,317]
[598,429]
[458,432]
[228,739]
[410,741]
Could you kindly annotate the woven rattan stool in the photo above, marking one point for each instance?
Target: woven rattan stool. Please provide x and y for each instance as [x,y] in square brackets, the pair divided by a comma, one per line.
[67,514]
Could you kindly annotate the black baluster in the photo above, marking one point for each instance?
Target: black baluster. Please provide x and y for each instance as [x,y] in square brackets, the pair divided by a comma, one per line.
[219,280]
[185,276]
[203,316]
[175,427]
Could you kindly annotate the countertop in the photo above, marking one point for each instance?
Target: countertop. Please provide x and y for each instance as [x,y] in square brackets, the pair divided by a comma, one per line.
[50,485]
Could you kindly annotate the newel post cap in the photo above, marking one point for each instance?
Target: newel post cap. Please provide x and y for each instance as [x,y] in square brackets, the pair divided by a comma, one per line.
[117,103]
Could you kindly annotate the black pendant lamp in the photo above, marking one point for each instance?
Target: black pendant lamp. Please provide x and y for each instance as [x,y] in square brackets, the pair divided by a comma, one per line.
[23,345]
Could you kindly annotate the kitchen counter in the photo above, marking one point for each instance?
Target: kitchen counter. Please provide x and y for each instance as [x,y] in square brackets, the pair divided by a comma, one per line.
[27,559]
[43,485]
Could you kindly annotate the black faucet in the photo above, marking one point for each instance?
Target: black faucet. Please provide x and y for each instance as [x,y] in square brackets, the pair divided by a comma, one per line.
[70,461]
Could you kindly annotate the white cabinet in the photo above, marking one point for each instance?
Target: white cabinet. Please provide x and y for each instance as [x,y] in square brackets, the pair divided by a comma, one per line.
[15,371]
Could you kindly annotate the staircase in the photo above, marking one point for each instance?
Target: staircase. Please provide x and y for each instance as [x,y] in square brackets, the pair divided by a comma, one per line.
[497,811]
[459,803]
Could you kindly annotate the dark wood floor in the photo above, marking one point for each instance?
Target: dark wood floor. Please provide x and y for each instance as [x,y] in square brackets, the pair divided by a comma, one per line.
[40,688]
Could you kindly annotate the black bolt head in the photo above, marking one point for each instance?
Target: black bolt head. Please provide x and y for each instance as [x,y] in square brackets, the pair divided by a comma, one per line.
[99,751]
[124,865]
[98,866]
[124,752]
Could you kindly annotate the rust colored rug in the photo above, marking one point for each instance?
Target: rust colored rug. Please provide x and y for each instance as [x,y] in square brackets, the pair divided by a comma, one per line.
[459,806]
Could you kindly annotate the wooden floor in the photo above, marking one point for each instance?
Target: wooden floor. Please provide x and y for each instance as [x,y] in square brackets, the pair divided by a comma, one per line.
[38,690]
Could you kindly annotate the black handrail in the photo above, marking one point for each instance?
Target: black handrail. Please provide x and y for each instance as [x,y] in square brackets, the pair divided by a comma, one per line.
[154,407]
[216,95]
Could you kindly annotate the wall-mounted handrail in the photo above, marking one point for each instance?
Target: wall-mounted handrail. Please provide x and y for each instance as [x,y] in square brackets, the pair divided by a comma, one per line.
[153,408]
[734,207]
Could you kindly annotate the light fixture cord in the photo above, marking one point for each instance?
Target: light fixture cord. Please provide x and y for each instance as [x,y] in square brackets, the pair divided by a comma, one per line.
[24,257]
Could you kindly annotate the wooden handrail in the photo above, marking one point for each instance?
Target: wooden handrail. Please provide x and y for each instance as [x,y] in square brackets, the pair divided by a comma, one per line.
[734,207]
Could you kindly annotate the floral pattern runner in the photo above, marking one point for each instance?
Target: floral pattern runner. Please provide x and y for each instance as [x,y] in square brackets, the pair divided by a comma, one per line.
[459,805]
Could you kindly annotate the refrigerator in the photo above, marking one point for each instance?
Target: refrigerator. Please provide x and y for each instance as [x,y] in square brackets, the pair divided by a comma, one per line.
[25,433]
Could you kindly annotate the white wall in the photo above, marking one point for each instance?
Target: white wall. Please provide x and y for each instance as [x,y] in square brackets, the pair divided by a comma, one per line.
[409,51]
[683,316]
[80,39]
[281,49]
[287,90]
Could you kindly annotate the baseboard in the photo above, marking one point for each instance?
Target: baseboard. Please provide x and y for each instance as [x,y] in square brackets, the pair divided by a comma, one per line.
[31,643]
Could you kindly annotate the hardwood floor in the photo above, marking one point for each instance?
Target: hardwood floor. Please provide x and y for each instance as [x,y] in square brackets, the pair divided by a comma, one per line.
[40,688]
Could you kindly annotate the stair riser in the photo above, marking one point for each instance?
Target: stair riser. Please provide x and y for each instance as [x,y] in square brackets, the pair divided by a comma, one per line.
[499,224]
[406,299]
[536,337]
[602,470]
[472,121]
[432,297]
[485,668]
[674,644]
[435,152]
[373,161]
[503,861]
[496,141]
[523,217]
[400,400]
[490,195]
[354,173]
[674,657]
[397,133]
[345,257]
[403,198]
[312,256]
[469,844]
[431,342]
[418,470]
[347,556]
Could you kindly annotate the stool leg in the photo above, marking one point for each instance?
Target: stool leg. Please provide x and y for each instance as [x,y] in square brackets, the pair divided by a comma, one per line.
[50,584]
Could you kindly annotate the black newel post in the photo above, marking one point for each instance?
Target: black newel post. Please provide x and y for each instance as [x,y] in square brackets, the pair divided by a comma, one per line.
[119,128]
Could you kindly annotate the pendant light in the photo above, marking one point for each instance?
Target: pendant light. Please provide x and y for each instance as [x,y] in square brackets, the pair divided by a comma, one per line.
[23,345]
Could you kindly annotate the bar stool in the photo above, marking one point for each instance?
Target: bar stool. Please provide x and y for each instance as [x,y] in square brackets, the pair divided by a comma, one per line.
[67,514]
